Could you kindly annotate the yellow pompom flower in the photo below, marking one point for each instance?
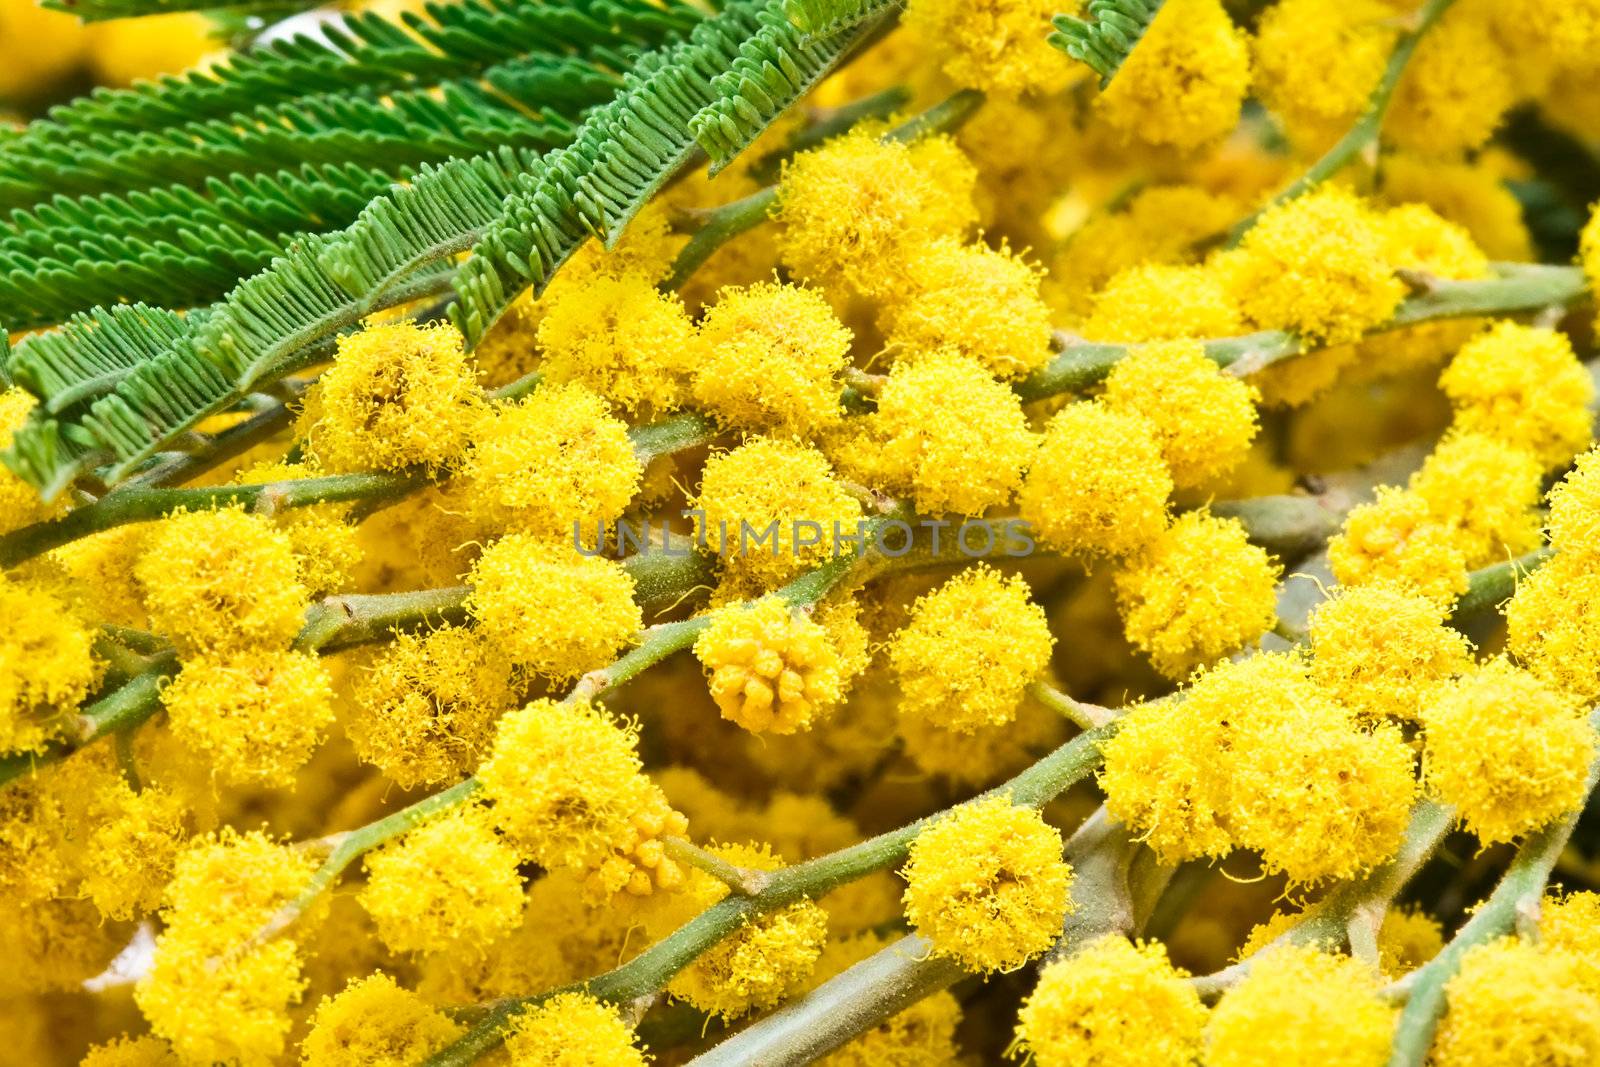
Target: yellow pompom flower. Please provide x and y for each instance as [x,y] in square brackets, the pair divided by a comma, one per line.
[973,299]
[857,210]
[998,46]
[970,649]
[621,337]
[768,359]
[986,884]
[572,1030]
[425,709]
[1317,62]
[1457,87]
[771,668]
[1198,592]
[256,716]
[1397,541]
[1507,751]
[1183,84]
[1379,651]
[1161,781]
[1315,266]
[565,781]
[1570,925]
[1163,302]
[1469,194]
[1415,237]
[20,503]
[772,508]
[556,458]
[765,960]
[1512,1003]
[1407,939]
[235,1011]
[549,608]
[1552,627]
[1524,386]
[953,437]
[326,544]
[132,1052]
[1487,491]
[226,886]
[131,851]
[1574,519]
[396,395]
[1204,419]
[1112,1003]
[1098,485]
[1566,33]
[1299,1006]
[47,666]
[449,885]
[375,1023]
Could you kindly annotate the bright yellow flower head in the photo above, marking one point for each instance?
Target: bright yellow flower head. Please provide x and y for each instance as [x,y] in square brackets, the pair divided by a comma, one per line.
[1162,302]
[987,885]
[572,1030]
[375,1023]
[326,544]
[396,395]
[770,667]
[1417,238]
[47,666]
[133,1052]
[1397,541]
[954,439]
[132,850]
[1575,506]
[621,337]
[1317,62]
[768,359]
[1316,266]
[556,458]
[1379,651]
[1552,626]
[1524,386]
[1098,485]
[1204,419]
[1300,1007]
[970,650]
[1487,491]
[1113,1003]
[998,46]
[1507,751]
[1457,87]
[19,502]
[1469,194]
[549,608]
[235,1011]
[1185,80]
[1199,592]
[1512,1003]
[1570,925]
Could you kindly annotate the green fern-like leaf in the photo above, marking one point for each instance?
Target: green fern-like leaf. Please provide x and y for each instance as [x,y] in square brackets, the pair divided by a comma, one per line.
[100,10]
[1106,38]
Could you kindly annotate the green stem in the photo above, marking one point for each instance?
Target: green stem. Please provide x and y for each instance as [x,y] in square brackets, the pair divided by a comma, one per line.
[1364,132]
[1518,894]
[359,618]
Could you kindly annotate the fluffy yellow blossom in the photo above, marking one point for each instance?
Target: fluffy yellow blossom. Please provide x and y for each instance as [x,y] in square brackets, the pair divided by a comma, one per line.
[1204,419]
[425,709]
[1315,265]
[1198,592]
[1379,651]
[397,395]
[1457,87]
[20,503]
[572,1030]
[1112,1004]
[1407,939]
[448,885]
[1469,194]
[235,1011]
[1163,302]
[1524,386]
[1570,925]
[998,46]
[1098,485]
[1551,625]
[620,337]
[969,651]
[257,716]
[986,755]
[221,581]
[986,884]
[767,483]
[550,608]
[1183,84]
[1298,1005]
[1567,33]
[131,851]
[954,438]
[857,210]
[1397,541]
[55,945]
[771,668]
[100,569]
[325,543]
[765,960]
[556,458]
[132,1052]
[375,1023]
[1512,1003]
[1317,62]
[565,781]
[1509,752]
[1575,507]
[979,301]
[1487,491]
[768,359]
[1415,237]
[47,666]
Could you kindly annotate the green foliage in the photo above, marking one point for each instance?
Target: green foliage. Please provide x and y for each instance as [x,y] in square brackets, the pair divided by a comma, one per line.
[101,10]
[1106,38]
